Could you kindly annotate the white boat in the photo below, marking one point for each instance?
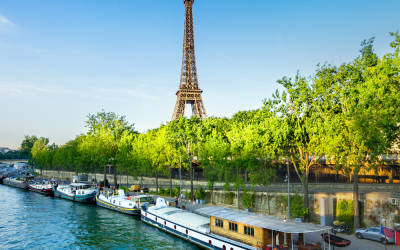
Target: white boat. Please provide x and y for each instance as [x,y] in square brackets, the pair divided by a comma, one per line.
[192,227]
[123,203]
[21,166]
[80,192]
[45,187]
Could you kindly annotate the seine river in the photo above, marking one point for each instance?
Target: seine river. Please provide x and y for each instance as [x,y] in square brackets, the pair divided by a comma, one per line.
[30,220]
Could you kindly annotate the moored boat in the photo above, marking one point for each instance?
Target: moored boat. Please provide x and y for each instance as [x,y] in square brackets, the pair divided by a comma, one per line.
[121,202]
[189,226]
[80,192]
[335,240]
[42,187]
[19,182]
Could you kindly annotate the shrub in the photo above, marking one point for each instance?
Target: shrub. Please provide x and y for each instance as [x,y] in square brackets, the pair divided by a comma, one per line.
[168,191]
[229,198]
[200,193]
[345,212]
[124,188]
[248,199]
[296,206]
[176,192]
[161,191]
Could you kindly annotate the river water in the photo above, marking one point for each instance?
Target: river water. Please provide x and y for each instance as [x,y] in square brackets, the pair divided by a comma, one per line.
[30,220]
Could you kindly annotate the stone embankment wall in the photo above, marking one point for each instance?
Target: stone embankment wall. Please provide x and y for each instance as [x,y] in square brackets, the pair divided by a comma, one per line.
[374,197]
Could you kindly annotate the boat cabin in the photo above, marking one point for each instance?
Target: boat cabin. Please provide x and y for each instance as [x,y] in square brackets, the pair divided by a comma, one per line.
[79,188]
[255,229]
[142,199]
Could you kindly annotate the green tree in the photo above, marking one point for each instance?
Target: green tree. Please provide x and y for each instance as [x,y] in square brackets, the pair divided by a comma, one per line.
[101,143]
[27,145]
[184,133]
[360,104]
[39,152]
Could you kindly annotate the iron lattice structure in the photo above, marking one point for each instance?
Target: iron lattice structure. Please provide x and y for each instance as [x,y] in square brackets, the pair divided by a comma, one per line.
[189,92]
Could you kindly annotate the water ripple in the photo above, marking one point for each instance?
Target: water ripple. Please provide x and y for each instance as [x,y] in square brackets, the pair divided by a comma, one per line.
[30,220]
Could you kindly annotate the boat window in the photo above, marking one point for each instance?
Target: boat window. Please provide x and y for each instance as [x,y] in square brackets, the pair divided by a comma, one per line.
[219,223]
[119,203]
[114,201]
[249,231]
[130,204]
[233,226]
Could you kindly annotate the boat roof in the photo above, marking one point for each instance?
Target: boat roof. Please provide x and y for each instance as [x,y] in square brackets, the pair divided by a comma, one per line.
[80,184]
[142,196]
[181,216]
[261,221]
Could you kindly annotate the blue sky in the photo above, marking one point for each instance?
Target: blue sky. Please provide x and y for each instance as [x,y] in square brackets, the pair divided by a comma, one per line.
[61,60]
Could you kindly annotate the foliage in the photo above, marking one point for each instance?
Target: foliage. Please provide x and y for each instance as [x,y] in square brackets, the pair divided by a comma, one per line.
[200,193]
[125,189]
[248,199]
[176,192]
[345,212]
[297,209]
[229,198]
[27,145]
[188,194]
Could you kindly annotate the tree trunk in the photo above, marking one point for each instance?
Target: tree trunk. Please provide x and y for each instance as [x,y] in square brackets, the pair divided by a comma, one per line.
[237,197]
[305,187]
[191,180]
[212,195]
[105,175]
[156,182]
[115,176]
[355,200]
[269,211]
[237,190]
[170,183]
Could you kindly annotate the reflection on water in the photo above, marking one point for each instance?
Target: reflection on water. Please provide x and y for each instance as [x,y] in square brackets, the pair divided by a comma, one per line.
[30,220]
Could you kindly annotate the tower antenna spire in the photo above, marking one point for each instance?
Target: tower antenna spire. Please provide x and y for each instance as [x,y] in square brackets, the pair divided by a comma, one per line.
[189,92]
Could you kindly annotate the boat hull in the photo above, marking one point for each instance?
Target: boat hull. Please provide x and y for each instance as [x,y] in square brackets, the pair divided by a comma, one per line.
[48,191]
[135,211]
[87,198]
[208,241]
[15,184]
[335,240]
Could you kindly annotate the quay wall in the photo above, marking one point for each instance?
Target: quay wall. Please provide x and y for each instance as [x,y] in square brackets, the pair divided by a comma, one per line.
[374,197]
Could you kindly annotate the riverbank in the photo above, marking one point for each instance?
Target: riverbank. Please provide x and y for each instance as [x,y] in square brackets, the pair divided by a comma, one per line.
[373,197]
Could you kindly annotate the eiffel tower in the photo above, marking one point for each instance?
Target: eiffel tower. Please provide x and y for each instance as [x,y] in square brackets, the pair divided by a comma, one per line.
[189,92]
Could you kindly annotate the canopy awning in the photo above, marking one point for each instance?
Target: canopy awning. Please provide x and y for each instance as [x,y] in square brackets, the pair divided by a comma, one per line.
[261,221]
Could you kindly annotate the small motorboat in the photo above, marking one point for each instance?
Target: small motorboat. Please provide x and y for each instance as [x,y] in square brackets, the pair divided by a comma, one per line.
[335,240]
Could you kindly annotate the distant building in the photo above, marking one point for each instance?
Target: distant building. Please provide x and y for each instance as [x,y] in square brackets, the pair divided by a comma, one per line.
[4,150]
